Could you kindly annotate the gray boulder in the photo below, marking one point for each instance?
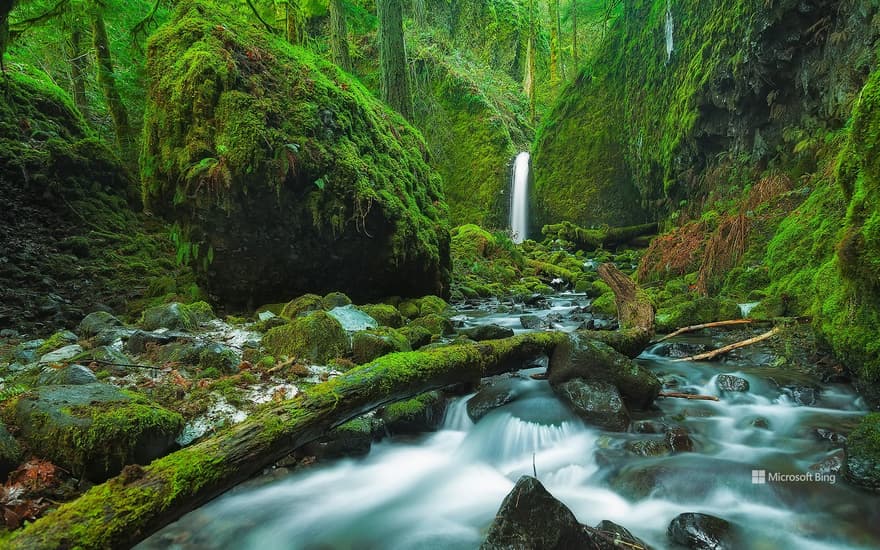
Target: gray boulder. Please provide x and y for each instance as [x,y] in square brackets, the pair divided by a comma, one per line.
[71,375]
[597,403]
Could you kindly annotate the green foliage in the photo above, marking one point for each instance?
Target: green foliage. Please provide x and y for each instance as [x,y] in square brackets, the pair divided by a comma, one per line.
[314,337]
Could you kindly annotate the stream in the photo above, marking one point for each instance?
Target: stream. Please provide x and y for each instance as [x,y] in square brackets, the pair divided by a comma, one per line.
[441,490]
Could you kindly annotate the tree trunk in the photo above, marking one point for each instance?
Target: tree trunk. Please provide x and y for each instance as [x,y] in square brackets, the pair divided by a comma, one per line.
[420,13]
[531,65]
[78,65]
[141,500]
[558,24]
[5,7]
[634,308]
[591,239]
[553,7]
[574,33]
[339,35]
[107,80]
[392,58]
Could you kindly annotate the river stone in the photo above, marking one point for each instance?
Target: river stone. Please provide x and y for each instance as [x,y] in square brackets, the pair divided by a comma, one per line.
[60,355]
[10,452]
[679,440]
[71,375]
[531,518]
[703,532]
[532,322]
[619,534]
[436,324]
[423,413]
[597,403]
[352,319]
[862,448]
[578,357]
[495,393]
[96,322]
[354,438]
[219,357]
[487,332]
[830,465]
[677,350]
[177,316]
[316,337]
[94,430]
[729,382]
[368,345]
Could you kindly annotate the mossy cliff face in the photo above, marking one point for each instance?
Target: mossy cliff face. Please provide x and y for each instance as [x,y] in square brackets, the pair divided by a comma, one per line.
[284,171]
[747,83]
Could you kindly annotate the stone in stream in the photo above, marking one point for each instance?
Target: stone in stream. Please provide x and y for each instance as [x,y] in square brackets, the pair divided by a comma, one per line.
[703,532]
[677,350]
[93,430]
[487,332]
[532,322]
[729,382]
[531,518]
[612,536]
[495,392]
[592,361]
[862,466]
[354,438]
[368,345]
[648,447]
[423,413]
[679,440]
[830,465]
[596,403]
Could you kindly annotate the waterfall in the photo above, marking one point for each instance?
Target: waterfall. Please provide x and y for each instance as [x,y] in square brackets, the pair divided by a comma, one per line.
[669,29]
[519,201]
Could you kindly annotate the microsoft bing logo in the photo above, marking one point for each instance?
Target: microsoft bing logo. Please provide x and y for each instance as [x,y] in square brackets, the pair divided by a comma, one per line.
[759,477]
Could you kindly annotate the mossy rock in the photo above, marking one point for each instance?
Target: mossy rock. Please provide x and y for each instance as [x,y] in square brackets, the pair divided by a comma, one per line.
[219,358]
[417,335]
[605,304]
[94,430]
[177,316]
[251,140]
[371,344]
[432,304]
[97,322]
[354,438]
[384,314]
[335,299]
[436,324]
[409,309]
[423,413]
[10,452]
[314,337]
[303,304]
[58,340]
[862,463]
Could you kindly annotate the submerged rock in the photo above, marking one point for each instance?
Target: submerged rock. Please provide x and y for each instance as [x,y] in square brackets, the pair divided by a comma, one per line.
[487,332]
[862,466]
[597,403]
[531,518]
[703,532]
[729,382]
[94,430]
[496,392]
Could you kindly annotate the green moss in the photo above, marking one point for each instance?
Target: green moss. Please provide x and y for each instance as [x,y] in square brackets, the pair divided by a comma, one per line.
[605,304]
[437,325]
[695,312]
[373,343]
[432,304]
[303,304]
[57,340]
[384,314]
[335,299]
[863,453]
[313,337]
[177,316]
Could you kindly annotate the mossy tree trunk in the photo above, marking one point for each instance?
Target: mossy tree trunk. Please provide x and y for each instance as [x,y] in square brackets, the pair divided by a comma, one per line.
[5,7]
[138,502]
[392,57]
[553,7]
[531,65]
[591,239]
[289,17]
[339,35]
[420,13]
[574,33]
[78,64]
[107,80]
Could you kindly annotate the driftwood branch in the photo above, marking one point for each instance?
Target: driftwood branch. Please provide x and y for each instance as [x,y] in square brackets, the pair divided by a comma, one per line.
[591,239]
[141,500]
[678,395]
[709,355]
[714,324]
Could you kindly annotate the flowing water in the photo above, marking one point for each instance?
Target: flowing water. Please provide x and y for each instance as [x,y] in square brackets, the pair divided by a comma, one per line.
[442,490]
[519,199]
[668,31]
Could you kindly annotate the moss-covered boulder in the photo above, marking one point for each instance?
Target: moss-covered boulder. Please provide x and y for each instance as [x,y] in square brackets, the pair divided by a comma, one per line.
[97,322]
[862,462]
[384,314]
[418,335]
[423,413]
[314,337]
[335,299]
[285,174]
[436,324]
[176,316]
[94,430]
[354,438]
[302,304]
[592,361]
[596,403]
[371,344]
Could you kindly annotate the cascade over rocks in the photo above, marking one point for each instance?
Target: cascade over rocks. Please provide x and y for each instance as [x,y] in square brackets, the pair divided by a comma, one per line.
[284,173]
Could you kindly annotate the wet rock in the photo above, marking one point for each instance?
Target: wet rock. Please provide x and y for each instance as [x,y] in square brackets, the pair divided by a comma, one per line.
[63,354]
[423,413]
[703,532]
[597,403]
[530,518]
[71,375]
[374,343]
[418,336]
[616,537]
[601,322]
[354,438]
[140,340]
[592,361]
[436,324]
[648,427]
[177,316]
[647,447]
[10,452]
[94,430]
[679,440]
[352,319]
[221,358]
[532,322]
[830,465]
[487,332]
[536,301]
[761,423]
[802,395]
[728,382]
[831,436]
[862,465]
[334,300]
[630,342]
[496,393]
[677,350]
[314,337]
[96,322]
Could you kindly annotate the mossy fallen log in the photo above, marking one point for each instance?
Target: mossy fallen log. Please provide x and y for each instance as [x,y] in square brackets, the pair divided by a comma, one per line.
[634,308]
[591,239]
[141,500]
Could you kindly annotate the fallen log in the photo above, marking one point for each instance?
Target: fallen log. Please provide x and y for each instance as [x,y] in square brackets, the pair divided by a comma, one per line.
[591,239]
[634,308]
[709,355]
[677,395]
[141,500]
[714,324]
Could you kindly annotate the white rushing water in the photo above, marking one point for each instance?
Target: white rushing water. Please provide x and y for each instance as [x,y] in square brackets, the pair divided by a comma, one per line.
[669,28]
[519,200]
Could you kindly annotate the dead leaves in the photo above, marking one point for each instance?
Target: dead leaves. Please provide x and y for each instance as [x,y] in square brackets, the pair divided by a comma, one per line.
[22,498]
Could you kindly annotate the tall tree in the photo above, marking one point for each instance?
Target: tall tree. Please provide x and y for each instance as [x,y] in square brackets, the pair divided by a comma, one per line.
[558,24]
[5,7]
[531,65]
[392,57]
[107,78]
[289,16]
[339,35]
[78,58]
[553,7]
[574,33]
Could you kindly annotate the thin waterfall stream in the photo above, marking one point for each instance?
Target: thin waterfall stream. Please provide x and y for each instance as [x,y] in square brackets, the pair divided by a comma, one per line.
[519,199]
